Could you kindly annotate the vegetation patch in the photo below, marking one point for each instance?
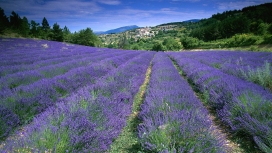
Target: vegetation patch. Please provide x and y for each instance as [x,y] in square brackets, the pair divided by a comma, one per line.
[128,140]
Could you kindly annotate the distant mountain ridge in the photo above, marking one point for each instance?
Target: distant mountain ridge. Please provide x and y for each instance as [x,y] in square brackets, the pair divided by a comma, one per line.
[117,30]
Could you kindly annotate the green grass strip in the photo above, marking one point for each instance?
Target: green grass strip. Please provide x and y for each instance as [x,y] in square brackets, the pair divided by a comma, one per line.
[128,140]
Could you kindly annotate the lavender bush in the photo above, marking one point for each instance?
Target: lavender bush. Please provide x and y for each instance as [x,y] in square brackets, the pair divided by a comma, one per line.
[252,66]
[27,51]
[33,99]
[10,69]
[24,102]
[173,119]
[50,71]
[89,119]
[244,106]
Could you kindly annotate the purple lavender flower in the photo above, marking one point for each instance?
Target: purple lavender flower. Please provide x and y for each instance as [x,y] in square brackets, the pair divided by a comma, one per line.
[172,117]
[242,105]
[91,118]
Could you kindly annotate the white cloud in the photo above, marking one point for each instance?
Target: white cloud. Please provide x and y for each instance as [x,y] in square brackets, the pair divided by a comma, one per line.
[232,5]
[166,9]
[109,2]
[79,14]
[186,0]
[57,9]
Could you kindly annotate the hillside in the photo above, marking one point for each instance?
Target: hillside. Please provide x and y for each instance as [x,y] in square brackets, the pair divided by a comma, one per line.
[250,26]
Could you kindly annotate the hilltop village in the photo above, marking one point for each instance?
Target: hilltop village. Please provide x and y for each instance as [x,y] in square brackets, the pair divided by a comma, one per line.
[136,34]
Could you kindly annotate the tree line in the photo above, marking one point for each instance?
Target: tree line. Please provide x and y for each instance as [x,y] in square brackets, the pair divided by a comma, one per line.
[22,27]
[253,19]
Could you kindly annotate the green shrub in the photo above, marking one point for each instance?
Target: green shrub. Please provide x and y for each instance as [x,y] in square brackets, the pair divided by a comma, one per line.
[242,40]
[267,39]
[261,76]
[190,42]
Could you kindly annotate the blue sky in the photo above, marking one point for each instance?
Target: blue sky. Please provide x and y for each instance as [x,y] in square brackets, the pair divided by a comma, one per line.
[102,15]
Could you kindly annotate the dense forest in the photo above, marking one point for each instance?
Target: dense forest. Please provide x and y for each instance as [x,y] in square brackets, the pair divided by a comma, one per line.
[16,26]
[254,19]
[250,26]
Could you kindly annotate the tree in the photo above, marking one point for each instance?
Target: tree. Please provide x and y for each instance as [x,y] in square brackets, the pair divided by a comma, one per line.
[171,44]
[269,29]
[44,31]
[57,33]
[4,22]
[67,35]
[15,21]
[158,47]
[45,24]
[86,37]
[262,28]
[34,28]
[25,27]
[135,47]
[189,42]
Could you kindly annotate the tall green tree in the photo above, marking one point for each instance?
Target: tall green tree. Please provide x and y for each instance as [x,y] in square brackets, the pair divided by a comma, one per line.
[25,27]
[4,22]
[45,24]
[66,30]
[15,21]
[67,35]
[57,33]
[34,28]
[44,31]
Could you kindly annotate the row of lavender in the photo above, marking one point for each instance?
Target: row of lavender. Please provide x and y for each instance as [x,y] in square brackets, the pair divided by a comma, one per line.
[24,102]
[16,46]
[16,60]
[14,80]
[10,69]
[173,119]
[88,120]
[20,104]
[252,66]
[244,106]
[13,51]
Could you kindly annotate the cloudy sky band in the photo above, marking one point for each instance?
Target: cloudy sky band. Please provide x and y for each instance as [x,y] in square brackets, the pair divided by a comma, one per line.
[101,15]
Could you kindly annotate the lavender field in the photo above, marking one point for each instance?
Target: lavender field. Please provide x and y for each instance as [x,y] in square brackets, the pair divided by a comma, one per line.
[58,97]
